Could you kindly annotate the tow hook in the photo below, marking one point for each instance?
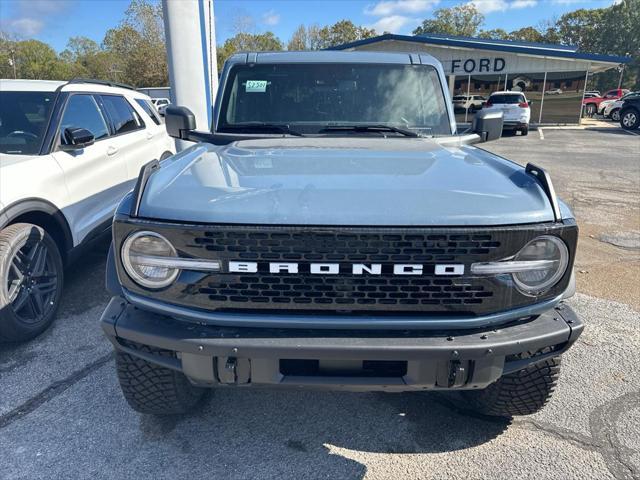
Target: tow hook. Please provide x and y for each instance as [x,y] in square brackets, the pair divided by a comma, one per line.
[457,374]
[232,370]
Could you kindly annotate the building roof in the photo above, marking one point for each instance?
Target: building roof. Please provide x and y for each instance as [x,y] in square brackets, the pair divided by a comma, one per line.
[514,43]
[528,48]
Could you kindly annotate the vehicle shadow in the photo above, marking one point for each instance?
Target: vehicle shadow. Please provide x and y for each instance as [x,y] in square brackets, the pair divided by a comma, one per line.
[84,283]
[313,432]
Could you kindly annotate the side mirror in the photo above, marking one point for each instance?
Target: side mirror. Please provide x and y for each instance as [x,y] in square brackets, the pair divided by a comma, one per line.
[178,121]
[77,138]
[488,124]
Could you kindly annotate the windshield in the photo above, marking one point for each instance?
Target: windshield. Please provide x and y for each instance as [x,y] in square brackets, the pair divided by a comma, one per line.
[506,98]
[309,97]
[23,121]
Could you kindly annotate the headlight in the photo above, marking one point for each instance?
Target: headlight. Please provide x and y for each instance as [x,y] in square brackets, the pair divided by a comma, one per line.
[550,250]
[538,266]
[146,258]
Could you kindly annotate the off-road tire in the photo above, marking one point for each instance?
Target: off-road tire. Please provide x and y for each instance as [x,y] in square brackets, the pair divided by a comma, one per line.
[524,131]
[13,327]
[521,393]
[151,389]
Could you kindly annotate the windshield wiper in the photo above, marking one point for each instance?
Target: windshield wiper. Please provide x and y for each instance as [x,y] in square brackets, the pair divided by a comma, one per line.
[264,126]
[368,128]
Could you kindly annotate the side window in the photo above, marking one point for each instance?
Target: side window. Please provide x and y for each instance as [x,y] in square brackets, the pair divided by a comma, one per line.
[149,109]
[83,112]
[125,118]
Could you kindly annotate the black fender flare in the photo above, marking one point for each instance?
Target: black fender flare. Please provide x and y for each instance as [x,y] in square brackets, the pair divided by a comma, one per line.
[38,205]
[111,274]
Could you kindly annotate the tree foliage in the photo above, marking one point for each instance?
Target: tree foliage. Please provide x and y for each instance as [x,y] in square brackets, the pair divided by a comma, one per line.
[256,42]
[86,59]
[134,51]
[340,32]
[313,37]
[464,20]
[138,46]
[305,38]
[527,34]
[494,34]
[614,30]
[310,37]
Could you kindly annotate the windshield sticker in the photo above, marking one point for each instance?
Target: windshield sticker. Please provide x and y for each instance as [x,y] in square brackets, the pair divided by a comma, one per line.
[256,86]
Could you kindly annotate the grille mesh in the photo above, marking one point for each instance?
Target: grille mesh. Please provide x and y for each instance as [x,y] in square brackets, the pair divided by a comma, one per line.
[328,247]
[346,290]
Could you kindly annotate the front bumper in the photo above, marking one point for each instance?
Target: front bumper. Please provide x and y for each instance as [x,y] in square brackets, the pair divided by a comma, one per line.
[356,360]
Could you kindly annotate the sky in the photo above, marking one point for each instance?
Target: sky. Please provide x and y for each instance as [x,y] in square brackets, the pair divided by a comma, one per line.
[54,21]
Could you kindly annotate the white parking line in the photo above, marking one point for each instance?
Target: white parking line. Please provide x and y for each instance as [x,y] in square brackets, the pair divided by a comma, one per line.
[541,134]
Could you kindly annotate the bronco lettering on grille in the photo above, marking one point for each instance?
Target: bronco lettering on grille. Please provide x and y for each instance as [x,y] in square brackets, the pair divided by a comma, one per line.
[352,268]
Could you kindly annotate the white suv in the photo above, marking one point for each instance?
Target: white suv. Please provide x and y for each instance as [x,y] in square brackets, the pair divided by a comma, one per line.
[471,102]
[515,107]
[69,152]
[161,104]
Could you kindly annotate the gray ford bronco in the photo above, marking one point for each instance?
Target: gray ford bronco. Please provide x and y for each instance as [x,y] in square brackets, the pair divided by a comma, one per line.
[334,230]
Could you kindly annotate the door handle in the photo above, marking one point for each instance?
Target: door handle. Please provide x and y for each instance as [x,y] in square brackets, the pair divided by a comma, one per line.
[112,150]
[149,135]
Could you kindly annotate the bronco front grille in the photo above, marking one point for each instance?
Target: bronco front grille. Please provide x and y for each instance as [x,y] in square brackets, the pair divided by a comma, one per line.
[346,292]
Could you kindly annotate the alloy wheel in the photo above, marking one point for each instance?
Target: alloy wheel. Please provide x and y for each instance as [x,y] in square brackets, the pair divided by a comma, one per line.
[629,119]
[32,282]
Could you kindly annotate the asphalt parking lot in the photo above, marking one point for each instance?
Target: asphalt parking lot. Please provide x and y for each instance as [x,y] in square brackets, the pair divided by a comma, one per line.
[62,414]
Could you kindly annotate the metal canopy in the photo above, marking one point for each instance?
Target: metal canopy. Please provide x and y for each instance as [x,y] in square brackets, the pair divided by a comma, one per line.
[598,62]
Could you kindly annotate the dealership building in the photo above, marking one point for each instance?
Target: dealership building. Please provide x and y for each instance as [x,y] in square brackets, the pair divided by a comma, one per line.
[553,77]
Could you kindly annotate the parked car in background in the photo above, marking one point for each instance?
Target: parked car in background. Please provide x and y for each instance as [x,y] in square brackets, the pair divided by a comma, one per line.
[471,102]
[161,104]
[554,91]
[604,104]
[590,105]
[630,113]
[612,109]
[69,152]
[515,108]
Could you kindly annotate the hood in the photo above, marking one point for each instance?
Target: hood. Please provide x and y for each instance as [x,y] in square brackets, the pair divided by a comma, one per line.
[343,181]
